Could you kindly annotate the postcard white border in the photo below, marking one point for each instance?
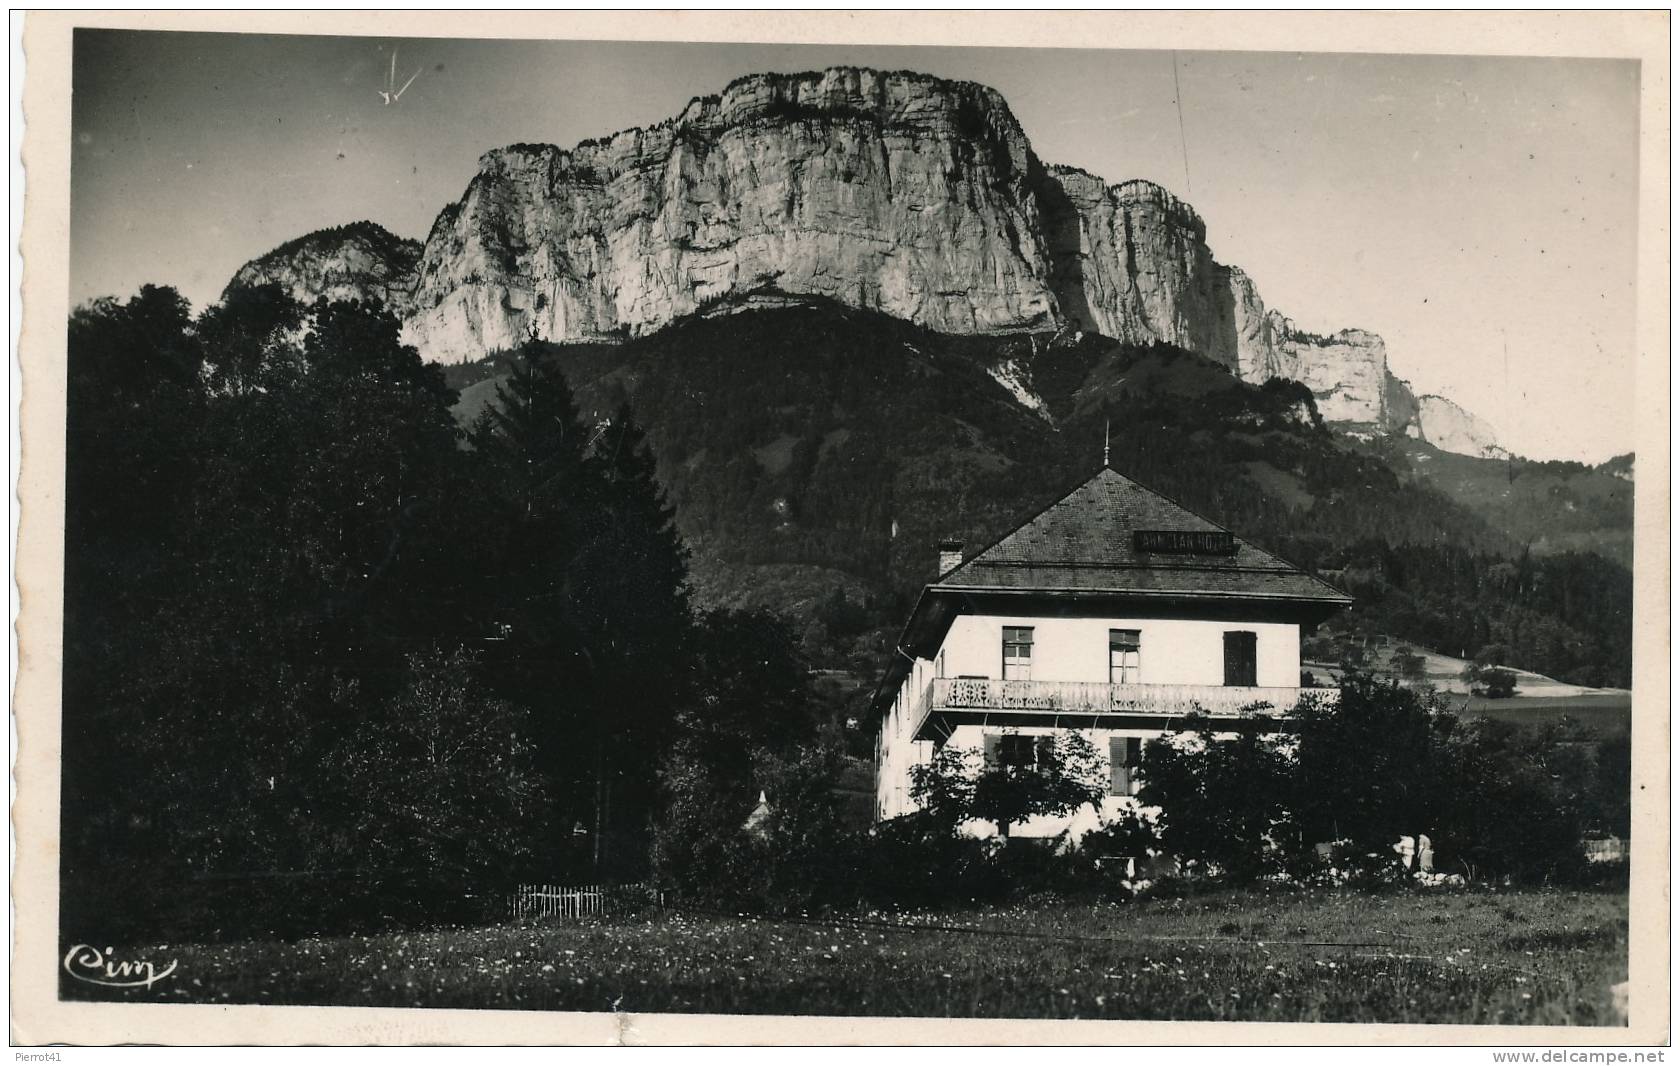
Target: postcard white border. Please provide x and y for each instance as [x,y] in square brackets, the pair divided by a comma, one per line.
[39,1017]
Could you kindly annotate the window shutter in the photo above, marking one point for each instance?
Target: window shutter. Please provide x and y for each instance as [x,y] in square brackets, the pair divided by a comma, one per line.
[1041,750]
[1134,755]
[989,744]
[1117,765]
[1240,667]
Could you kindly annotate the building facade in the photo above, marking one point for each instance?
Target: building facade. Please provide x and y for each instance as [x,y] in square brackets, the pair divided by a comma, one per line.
[1115,612]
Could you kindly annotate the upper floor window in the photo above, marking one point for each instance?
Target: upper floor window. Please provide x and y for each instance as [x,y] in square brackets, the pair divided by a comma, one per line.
[1240,658]
[1017,653]
[1123,647]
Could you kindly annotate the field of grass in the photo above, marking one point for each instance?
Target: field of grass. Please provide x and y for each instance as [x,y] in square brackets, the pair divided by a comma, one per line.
[1539,700]
[1279,954]
[1601,715]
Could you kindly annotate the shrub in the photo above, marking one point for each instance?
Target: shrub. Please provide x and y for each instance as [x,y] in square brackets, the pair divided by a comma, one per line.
[1130,835]
[1382,763]
[1512,803]
[916,860]
[1497,683]
[1407,663]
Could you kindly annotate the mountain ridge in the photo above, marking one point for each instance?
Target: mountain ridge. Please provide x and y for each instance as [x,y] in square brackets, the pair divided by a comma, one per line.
[899,192]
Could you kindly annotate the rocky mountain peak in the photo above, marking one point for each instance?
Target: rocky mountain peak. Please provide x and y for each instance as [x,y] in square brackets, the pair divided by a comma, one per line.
[359,261]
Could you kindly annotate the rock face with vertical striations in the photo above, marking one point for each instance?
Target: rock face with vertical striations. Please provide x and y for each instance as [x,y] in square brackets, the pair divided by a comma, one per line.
[1347,372]
[893,192]
[1132,262]
[896,192]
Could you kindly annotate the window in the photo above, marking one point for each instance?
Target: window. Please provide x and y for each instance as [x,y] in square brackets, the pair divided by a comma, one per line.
[1123,648]
[1123,755]
[1016,751]
[1239,658]
[1013,750]
[1017,653]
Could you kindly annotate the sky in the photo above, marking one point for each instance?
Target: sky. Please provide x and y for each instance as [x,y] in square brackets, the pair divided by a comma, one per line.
[1479,213]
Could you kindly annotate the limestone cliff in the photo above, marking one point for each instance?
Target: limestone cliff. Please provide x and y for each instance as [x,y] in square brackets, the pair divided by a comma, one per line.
[1131,261]
[895,192]
[898,192]
[1347,372]
[1453,429]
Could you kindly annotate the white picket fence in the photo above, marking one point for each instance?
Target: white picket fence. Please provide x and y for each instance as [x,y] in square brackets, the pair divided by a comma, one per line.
[581,901]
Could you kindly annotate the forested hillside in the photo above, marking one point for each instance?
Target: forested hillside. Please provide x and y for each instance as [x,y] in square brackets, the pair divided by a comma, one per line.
[815,454]
[1549,507]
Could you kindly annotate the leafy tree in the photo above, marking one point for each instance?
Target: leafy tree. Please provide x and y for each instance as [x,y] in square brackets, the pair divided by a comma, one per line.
[224,634]
[250,339]
[132,451]
[1516,805]
[1225,800]
[1135,833]
[1064,774]
[1367,769]
[1609,808]
[803,851]
[957,784]
[944,786]
[746,714]
[1380,764]
[699,844]
[441,782]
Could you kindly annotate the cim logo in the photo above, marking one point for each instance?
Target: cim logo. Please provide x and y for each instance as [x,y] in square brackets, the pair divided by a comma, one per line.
[90,965]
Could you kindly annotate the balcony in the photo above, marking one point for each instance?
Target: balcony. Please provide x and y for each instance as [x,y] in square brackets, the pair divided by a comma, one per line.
[951,701]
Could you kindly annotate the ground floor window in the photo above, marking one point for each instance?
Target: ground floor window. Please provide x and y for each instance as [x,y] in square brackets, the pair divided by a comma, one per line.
[1019,751]
[1123,756]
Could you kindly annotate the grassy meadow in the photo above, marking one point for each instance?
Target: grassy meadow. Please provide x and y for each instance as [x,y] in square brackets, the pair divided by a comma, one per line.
[1541,957]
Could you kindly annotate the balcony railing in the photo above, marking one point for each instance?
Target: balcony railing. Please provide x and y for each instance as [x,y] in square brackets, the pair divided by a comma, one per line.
[1098,699]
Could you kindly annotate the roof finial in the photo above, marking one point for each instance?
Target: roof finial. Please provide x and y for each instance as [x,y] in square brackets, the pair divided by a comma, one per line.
[1105,444]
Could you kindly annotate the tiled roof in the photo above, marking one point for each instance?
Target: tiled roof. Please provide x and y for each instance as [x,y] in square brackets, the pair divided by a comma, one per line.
[1084,543]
